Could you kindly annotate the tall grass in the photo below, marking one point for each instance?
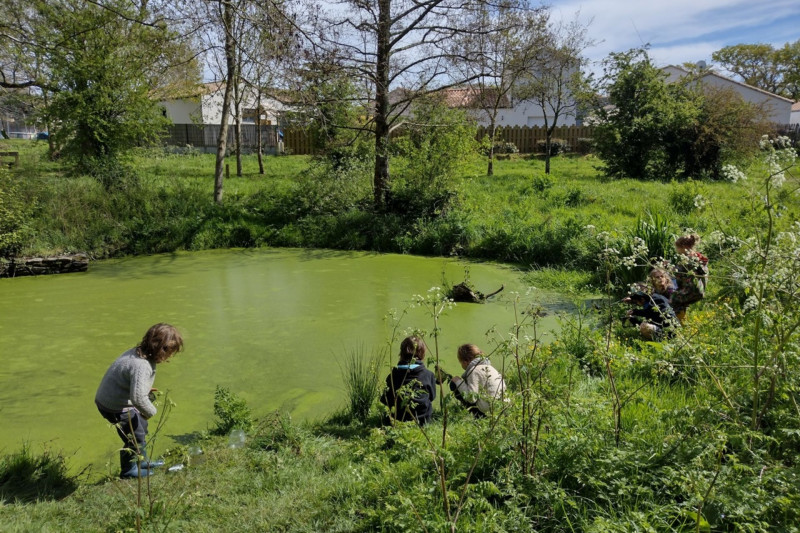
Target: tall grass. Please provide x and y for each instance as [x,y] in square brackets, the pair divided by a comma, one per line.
[26,477]
[362,381]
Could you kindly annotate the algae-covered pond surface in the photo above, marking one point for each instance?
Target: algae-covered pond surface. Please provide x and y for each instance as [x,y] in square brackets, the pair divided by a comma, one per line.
[273,326]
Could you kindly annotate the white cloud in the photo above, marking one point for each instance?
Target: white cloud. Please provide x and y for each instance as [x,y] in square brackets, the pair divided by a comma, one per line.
[680,30]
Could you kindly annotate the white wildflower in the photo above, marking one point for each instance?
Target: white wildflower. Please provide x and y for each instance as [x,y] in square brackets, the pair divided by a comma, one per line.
[733,173]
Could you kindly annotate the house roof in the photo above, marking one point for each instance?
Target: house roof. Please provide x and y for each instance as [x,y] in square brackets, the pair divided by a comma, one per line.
[711,73]
[472,97]
[795,107]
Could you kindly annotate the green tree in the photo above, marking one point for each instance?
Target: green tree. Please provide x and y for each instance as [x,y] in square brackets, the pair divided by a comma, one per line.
[657,130]
[762,66]
[646,131]
[100,67]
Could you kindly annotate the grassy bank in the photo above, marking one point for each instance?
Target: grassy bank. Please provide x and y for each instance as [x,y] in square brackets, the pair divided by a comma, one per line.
[662,453]
[520,215]
[600,430]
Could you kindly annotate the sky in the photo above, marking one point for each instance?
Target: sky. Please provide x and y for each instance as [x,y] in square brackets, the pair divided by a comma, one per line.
[681,31]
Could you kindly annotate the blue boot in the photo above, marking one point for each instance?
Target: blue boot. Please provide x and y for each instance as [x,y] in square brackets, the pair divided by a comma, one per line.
[135,472]
[152,464]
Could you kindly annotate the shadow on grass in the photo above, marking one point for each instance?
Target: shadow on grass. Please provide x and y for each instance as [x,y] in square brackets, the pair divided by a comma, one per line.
[189,438]
[342,426]
[28,478]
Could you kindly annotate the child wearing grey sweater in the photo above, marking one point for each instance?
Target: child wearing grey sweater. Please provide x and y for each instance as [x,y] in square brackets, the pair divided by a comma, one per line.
[123,397]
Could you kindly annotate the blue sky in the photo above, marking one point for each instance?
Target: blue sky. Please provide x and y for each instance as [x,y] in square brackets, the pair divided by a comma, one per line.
[682,30]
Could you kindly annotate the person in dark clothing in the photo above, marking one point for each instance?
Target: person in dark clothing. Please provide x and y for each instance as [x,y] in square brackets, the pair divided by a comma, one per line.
[655,317]
[410,387]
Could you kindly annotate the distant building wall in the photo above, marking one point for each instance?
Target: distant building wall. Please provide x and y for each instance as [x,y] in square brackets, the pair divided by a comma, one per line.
[522,114]
[778,109]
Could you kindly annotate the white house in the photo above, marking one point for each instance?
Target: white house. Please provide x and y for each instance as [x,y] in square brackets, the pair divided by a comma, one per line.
[510,113]
[795,120]
[778,108]
[205,107]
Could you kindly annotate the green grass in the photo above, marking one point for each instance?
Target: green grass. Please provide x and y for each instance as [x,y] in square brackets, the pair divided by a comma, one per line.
[519,215]
[628,435]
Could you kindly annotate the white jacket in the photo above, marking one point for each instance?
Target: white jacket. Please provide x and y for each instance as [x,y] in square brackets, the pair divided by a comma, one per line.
[481,383]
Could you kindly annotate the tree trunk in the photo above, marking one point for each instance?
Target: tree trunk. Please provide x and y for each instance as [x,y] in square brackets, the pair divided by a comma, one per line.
[492,130]
[548,139]
[381,179]
[258,133]
[237,120]
[230,62]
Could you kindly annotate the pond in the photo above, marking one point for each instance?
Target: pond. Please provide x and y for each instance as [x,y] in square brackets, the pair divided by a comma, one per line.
[273,326]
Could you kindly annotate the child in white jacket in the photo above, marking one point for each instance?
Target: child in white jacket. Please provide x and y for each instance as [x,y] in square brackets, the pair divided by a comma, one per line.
[478,385]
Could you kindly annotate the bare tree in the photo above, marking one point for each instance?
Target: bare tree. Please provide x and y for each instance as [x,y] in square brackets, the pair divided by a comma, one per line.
[557,83]
[231,31]
[386,45]
[498,59]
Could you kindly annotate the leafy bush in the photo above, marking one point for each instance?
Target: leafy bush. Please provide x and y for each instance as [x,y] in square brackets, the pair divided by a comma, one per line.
[575,197]
[503,148]
[434,150]
[557,146]
[231,411]
[642,247]
[681,199]
[659,130]
[542,183]
[584,145]
[13,212]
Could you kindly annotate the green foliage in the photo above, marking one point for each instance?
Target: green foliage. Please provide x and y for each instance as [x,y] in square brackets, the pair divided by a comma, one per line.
[332,116]
[763,66]
[101,101]
[13,214]
[231,411]
[645,246]
[362,381]
[683,197]
[433,152]
[661,131]
[542,183]
[648,130]
[727,131]
[27,478]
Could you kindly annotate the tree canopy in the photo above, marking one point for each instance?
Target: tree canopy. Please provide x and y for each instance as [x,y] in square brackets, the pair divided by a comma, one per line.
[99,69]
[765,67]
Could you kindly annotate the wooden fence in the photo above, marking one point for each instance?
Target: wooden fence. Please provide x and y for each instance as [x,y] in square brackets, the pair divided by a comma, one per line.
[526,137]
[205,136]
[298,140]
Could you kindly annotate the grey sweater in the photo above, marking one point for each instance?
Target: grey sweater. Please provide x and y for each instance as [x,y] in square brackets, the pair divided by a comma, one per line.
[127,383]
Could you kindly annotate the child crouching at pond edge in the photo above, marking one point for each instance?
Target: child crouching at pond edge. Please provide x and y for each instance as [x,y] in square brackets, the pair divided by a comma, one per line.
[123,397]
[479,385]
[410,387]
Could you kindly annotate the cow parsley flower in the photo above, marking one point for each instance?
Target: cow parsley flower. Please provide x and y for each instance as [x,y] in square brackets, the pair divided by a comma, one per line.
[733,173]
